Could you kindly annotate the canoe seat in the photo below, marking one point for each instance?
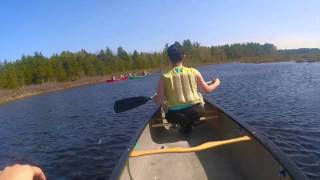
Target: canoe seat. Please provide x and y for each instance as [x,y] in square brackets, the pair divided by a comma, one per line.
[167,124]
[204,146]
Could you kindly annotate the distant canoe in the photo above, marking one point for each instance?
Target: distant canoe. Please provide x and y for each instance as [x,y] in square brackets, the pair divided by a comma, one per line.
[135,77]
[220,147]
[117,79]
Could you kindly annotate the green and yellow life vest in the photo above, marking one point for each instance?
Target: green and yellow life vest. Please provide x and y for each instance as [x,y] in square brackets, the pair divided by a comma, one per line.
[181,88]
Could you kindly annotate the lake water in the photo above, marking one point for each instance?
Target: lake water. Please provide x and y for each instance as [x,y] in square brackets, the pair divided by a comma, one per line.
[74,134]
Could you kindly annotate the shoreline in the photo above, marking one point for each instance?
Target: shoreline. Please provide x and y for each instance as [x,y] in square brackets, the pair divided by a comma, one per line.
[8,96]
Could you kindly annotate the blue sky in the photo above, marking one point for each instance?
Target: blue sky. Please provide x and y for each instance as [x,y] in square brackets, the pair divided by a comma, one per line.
[51,26]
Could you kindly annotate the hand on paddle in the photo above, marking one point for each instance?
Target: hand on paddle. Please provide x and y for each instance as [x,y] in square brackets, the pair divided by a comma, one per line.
[215,80]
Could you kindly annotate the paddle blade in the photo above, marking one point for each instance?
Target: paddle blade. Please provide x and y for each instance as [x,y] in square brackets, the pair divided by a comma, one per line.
[129,103]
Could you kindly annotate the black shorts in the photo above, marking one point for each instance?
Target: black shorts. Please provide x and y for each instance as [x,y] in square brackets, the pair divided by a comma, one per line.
[185,116]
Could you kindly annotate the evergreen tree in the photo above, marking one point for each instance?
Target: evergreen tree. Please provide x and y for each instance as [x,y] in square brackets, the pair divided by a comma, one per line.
[69,66]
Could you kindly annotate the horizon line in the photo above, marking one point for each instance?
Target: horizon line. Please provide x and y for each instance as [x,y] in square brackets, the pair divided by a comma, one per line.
[114,50]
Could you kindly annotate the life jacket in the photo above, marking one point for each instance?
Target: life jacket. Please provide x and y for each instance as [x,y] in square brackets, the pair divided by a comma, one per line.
[181,87]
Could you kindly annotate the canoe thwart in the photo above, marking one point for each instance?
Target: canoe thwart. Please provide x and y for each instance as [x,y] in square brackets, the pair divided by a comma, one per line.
[207,145]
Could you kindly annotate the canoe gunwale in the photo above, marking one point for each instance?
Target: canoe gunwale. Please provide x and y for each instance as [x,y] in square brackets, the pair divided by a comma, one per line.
[288,165]
[279,156]
[117,170]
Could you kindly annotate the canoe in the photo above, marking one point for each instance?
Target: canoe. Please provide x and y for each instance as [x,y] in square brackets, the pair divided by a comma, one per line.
[219,147]
[135,77]
[117,79]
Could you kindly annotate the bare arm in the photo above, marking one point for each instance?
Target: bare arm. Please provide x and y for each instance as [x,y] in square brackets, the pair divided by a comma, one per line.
[159,97]
[205,87]
[19,172]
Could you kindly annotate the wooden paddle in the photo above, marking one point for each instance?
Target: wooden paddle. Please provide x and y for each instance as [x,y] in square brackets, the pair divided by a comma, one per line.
[133,102]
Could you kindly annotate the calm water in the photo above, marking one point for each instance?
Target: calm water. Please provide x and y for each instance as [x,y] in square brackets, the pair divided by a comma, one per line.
[75,134]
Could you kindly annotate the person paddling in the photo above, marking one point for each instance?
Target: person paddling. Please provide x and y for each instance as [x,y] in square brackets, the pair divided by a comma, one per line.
[178,89]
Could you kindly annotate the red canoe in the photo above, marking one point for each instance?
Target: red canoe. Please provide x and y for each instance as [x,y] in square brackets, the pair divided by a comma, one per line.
[117,79]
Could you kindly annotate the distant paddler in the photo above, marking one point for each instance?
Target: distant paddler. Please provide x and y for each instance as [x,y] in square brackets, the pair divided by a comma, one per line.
[144,73]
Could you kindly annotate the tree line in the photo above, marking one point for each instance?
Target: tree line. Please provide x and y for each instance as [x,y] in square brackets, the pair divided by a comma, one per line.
[70,66]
